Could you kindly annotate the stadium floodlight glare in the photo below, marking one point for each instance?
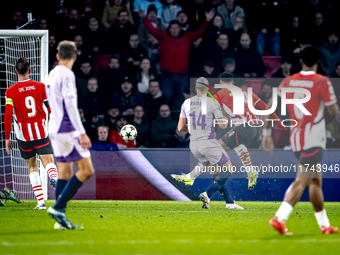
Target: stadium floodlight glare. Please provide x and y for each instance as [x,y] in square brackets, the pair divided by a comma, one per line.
[33,45]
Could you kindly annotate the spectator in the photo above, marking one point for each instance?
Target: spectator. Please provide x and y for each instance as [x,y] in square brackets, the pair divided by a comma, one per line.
[154,99]
[113,114]
[111,78]
[132,56]
[16,21]
[214,30]
[144,5]
[266,91]
[236,31]
[269,20]
[72,26]
[79,41]
[310,7]
[169,11]
[285,69]
[180,139]
[290,37]
[174,47]
[42,24]
[208,70]
[196,10]
[142,126]
[93,103]
[96,39]
[330,54]
[81,52]
[111,10]
[337,74]
[103,143]
[153,53]
[82,76]
[126,99]
[197,56]
[249,62]
[229,12]
[115,134]
[120,31]
[90,131]
[143,33]
[144,75]
[222,51]
[178,101]
[229,66]
[184,24]
[163,127]
[52,50]
[317,32]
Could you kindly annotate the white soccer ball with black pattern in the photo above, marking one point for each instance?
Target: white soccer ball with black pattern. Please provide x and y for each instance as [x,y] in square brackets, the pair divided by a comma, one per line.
[128,133]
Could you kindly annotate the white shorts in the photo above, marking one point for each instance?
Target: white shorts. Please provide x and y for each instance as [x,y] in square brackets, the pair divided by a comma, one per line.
[66,147]
[209,151]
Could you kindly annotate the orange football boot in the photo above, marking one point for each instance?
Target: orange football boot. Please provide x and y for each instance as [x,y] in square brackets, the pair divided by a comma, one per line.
[279,226]
[329,230]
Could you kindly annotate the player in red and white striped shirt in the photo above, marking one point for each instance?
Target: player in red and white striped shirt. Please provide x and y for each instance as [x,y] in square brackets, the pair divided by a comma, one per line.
[307,138]
[28,100]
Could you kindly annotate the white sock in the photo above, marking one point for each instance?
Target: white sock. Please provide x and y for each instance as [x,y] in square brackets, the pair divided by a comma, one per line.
[36,184]
[243,153]
[284,211]
[322,219]
[195,172]
[2,195]
[52,171]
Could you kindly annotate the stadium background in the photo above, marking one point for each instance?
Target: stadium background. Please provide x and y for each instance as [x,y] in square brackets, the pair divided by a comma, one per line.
[289,26]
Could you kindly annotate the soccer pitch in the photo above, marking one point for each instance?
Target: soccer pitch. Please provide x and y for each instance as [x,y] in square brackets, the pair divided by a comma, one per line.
[164,227]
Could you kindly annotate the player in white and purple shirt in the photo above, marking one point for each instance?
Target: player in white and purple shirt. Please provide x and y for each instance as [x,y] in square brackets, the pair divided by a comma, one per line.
[200,113]
[69,140]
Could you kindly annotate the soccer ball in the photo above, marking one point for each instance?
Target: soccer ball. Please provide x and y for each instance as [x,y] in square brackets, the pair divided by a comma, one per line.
[128,133]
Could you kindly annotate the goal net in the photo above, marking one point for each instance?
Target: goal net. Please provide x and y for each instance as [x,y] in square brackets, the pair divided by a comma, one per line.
[33,45]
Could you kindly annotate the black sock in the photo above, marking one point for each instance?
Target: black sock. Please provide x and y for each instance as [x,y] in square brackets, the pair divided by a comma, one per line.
[69,191]
[213,188]
[219,182]
[59,188]
[225,194]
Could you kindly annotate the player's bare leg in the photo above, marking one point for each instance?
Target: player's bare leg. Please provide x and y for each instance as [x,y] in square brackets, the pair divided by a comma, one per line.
[317,199]
[36,182]
[305,178]
[48,162]
[85,169]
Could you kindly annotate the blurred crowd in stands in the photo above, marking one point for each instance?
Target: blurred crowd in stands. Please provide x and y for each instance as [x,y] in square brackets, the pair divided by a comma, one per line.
[136,57]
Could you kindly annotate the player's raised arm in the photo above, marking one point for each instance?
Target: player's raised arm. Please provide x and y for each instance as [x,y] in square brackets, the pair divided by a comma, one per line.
[8,122]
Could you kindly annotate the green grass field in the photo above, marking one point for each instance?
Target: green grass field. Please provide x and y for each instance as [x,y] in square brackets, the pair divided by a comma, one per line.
[164,227]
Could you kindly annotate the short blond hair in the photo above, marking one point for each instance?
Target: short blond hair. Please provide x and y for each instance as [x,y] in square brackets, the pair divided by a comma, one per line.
[66,49]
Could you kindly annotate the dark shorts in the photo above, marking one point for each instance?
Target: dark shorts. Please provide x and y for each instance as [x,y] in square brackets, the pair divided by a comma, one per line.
[241,135]
[30,149]
[310,157]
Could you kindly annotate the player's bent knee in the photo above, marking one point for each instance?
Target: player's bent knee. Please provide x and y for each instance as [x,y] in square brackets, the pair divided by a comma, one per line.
[86,167]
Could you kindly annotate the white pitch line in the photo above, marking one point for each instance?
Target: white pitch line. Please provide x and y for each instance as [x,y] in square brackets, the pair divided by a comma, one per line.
[190,241]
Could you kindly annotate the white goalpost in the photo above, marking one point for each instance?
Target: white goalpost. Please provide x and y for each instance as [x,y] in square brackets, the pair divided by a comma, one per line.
[33,45]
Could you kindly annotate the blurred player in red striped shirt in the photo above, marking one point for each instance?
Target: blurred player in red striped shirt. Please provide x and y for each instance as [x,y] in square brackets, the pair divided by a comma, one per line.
[307,139]
[31,110]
